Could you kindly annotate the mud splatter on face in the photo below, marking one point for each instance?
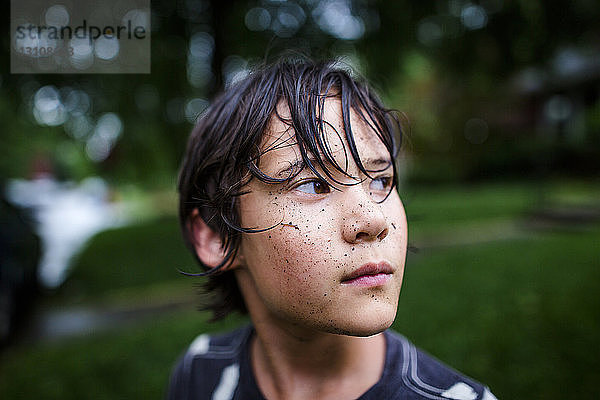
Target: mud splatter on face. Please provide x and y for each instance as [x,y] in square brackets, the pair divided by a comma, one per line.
[323,233]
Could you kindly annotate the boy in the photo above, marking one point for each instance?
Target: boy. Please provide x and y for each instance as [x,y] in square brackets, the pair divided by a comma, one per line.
[288,200]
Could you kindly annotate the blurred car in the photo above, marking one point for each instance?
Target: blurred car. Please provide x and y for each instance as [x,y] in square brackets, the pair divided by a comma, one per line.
[19,257]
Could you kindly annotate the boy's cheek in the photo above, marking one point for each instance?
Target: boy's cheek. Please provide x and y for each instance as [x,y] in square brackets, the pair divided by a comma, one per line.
[295,243]
[261,210]
[290,272]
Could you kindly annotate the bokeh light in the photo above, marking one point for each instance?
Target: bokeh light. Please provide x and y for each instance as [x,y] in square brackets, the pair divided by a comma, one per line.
[106,48]
[336,18]
[257,19]
[47,107]
[57,16]
[82,56]
[235,68]
[107,131]
[193,108]
[199,59]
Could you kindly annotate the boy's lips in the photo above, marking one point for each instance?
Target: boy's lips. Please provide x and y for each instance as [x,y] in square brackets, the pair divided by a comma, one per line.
[370,274]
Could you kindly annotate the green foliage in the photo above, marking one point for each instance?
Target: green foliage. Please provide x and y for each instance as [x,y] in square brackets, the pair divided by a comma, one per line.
[501,73]
[520,315]
[131,257]
[443,212]
[132,363]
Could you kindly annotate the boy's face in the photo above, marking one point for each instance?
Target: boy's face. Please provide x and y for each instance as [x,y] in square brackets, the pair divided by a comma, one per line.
[306,272]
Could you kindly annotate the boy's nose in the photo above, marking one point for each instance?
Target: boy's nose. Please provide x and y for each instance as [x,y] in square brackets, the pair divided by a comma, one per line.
[364,220]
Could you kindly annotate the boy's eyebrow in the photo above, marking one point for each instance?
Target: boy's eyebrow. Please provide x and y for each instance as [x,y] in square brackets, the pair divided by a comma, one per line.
[297,165]
[379,163]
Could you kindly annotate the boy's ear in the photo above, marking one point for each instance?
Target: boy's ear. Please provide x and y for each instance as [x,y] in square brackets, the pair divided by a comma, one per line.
[207,243]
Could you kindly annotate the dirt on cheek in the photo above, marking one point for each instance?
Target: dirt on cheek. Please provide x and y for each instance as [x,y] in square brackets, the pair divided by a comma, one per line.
[300,264]
[300,255]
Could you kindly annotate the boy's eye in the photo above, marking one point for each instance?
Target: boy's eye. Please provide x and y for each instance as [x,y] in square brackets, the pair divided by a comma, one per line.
[382,183]
[314,186]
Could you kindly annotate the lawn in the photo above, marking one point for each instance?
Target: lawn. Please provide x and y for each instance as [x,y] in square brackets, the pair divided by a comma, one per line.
[131,363]
[520,314]
[128,259]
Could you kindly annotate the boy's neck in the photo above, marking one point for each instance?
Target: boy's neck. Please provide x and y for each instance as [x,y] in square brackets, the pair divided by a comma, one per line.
[289,364]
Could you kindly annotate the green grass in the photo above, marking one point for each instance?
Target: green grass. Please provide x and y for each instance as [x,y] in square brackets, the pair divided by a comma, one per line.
[441,206]
[520,314]
[449,204]
[152,252]
[132,363]
[433,211]
[131,257]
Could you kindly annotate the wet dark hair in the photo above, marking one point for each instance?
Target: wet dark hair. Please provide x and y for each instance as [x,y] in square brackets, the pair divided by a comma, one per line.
[224,150]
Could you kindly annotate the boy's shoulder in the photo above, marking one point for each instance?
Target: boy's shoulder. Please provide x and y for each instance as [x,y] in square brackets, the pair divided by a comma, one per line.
[210,366]
[413,371]
[217,366]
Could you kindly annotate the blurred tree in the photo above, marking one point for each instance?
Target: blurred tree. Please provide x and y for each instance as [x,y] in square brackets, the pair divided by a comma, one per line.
[477,79]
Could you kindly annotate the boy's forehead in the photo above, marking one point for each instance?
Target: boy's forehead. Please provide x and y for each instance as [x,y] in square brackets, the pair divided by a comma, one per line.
[279,148]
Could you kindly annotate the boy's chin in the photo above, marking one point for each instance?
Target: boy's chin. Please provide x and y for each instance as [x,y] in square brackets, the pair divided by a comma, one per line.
[363,327]
[361,331]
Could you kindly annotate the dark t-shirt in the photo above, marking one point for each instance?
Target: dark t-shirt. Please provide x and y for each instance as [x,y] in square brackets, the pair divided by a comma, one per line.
[218,368]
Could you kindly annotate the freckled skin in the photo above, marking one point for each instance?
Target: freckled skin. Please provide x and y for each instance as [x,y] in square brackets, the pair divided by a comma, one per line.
[292,274]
